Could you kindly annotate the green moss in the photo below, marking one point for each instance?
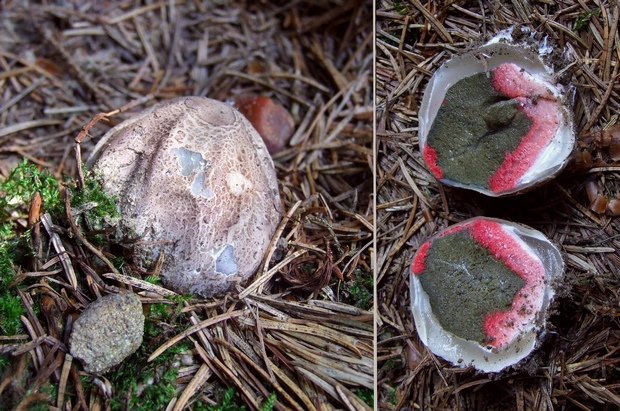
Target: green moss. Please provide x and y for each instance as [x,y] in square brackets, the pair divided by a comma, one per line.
[361,290]
[157,396]
[392,365]
[135,372]
[94,209]
[24,180]
[400,7]
[16,194]
[39,405]
[5,362]
[391,396]
[153,279]
[160,312]
[11,309]
[118,261]
[10,304]
[227,403]
[367,395]
[179,299]
[94,197]
[129,379]
[584,18]
[269,403]
[44,405]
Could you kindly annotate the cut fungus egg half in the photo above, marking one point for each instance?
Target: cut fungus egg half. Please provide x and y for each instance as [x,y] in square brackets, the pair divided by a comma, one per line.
[495,119]
[195,183]
[480,292]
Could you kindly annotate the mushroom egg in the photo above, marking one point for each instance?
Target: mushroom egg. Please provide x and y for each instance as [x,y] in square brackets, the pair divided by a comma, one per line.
[480,291]
[194,181]
[496,119]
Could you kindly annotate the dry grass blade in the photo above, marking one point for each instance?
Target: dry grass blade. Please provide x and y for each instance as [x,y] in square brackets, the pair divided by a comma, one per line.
[314,329]
[34,397]
[144,285]
[350,400]
[201,376]
[430,18]
[280,375]
[197,327]
[60,249]
[335,389]
[4,131]
[263,279]
[64,377]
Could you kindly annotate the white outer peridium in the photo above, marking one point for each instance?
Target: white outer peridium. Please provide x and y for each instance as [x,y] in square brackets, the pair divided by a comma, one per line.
[483,59]
[462,352]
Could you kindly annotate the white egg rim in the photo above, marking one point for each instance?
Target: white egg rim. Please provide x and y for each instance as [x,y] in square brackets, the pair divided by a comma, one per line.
[462,352]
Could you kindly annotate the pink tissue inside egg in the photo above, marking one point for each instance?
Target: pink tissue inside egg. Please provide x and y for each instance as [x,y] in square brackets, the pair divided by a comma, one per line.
[538,104]
[430,156]
[417,266]
[504,326]
[418,263]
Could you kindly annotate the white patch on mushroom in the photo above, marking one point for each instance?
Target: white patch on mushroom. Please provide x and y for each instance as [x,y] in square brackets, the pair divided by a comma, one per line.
[189,160]
[193,161]
[225,262]
[238,183]
[198,187]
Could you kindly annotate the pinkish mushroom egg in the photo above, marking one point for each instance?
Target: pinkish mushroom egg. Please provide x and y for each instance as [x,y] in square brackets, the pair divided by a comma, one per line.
[272,121]
[495,119]
[195,182]
[480,292]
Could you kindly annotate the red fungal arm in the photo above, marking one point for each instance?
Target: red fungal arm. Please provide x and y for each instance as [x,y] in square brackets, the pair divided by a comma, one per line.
[417,267]
[430,156]
[512,81]
[504,247]
[545,122]
[502,326]
[538,103]
[418,264]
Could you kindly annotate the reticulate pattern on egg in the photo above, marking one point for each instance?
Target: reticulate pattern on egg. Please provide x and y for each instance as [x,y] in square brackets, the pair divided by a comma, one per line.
[194,180]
